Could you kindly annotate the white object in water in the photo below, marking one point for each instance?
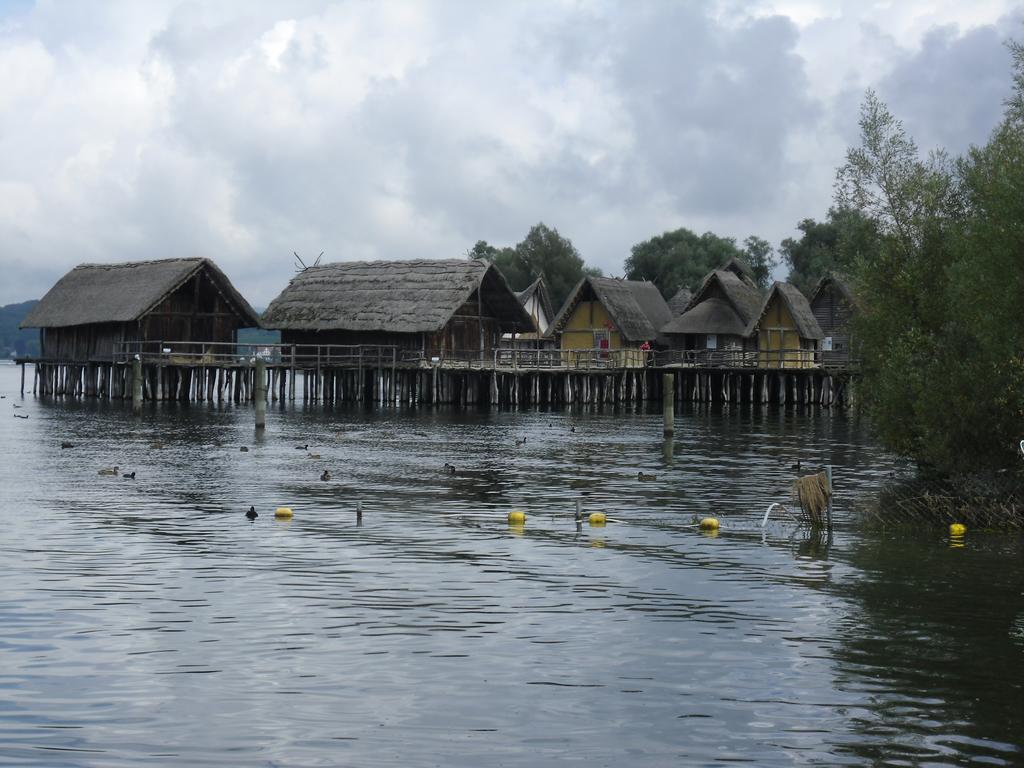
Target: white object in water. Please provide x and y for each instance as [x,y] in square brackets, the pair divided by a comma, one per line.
[768,511]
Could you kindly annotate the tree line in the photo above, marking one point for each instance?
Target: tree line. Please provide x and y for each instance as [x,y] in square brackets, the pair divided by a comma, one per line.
[681,258]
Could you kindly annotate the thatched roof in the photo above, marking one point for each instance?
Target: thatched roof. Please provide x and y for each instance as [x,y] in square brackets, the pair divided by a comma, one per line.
[540,289]
[393,296]
[798,307]
[836,281]
[122,293]
[740,268]
[741,297]
[636,307]
[680,301]
[712,315]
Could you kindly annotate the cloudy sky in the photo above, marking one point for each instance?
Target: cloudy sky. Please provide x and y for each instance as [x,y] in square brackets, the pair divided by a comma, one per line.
[387,130]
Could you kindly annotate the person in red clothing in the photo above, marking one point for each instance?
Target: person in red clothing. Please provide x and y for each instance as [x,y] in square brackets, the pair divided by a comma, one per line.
[646,346]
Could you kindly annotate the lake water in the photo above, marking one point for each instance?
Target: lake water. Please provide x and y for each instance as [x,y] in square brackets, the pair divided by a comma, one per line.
[147,622]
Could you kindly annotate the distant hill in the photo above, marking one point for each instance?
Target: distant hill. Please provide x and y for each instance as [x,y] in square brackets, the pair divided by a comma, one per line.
[14,342]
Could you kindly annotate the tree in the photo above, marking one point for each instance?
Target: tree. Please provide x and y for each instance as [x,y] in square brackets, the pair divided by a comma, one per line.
[827,246]
[542,253]
[939,327]
[760,257]
[680,258]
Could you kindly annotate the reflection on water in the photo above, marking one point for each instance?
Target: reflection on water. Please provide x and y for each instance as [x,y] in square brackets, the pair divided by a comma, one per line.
[148,621]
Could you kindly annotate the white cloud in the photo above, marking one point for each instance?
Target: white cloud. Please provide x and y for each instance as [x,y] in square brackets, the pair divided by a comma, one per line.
[244,131]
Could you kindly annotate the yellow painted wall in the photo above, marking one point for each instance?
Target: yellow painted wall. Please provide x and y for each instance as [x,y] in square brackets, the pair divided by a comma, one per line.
[777,331]
[578,332]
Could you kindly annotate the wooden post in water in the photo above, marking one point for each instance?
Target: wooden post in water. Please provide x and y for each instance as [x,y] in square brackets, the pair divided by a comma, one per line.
[668,402]
[828,503]
[260,393]
[136,386]
[22,379]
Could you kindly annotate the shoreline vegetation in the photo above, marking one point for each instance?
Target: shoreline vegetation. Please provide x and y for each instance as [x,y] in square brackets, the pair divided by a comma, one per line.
[985,502]
[939,325]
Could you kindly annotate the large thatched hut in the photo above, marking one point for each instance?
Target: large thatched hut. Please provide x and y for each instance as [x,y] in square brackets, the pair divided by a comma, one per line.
[608,314]
[93,310]
[449,308]
[832,305]
[787,333]
[713,329]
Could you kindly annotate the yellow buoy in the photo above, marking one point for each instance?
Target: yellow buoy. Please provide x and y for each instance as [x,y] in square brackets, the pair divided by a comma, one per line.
[957,529]
[597,518]
[709,524]
[517,517]
[283,513]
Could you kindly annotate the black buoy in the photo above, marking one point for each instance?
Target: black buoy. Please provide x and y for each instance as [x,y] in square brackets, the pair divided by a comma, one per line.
[252,514]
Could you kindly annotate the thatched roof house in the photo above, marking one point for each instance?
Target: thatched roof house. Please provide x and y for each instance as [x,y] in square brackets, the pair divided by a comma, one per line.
[443,306]
[96,307]
[832,303]
[787,333]
[717,316]
[609,313]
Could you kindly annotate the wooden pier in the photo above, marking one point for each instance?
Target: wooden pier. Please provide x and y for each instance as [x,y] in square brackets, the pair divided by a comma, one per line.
[221,372]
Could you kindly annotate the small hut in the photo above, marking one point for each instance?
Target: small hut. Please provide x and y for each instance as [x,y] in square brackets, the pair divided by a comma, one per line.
[713,329]
[446,308]
[619,319]
[98,310]
[832,305]
[787,333]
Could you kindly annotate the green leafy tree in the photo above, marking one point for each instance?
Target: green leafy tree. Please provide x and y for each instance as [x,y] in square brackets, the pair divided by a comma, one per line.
[760,257]
[827,246]
[542,253]
[682,258]
[939,328]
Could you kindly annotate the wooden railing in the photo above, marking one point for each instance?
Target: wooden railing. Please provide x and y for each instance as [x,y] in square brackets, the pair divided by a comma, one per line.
[227,354]
[741,358]
[307,356]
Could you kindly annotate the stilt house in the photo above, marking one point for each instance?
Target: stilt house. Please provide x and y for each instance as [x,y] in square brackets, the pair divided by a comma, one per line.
[98,310]
[832,305]
[787,333]
[613,318]
[444,308]
[713,329]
